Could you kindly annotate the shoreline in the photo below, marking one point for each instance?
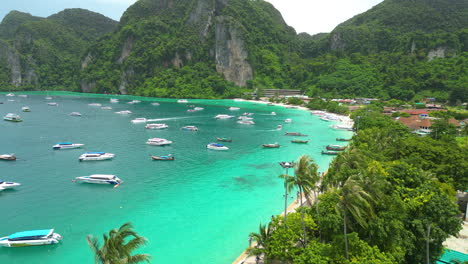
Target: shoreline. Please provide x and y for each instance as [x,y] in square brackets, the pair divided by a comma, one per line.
[292,207]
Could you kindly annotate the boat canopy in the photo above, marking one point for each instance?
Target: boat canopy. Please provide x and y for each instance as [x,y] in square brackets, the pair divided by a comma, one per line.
[32,233]
[95,153]
[65,143]
[216,145]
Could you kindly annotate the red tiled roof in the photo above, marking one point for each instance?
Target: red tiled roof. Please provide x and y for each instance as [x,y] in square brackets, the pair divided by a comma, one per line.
[415,122]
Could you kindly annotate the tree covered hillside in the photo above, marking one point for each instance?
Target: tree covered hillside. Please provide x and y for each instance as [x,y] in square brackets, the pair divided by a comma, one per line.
[44,53]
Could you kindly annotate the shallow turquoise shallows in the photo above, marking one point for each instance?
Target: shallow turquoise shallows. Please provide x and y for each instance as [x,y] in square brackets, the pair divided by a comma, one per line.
[199,208]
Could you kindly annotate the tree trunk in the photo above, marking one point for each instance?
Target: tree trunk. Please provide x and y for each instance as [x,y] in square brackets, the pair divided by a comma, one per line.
[345,237]
[427,243]
[302,218]
[317,210]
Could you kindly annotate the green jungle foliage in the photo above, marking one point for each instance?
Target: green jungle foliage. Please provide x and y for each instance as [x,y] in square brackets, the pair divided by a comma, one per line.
[49,49]
[167,49]
[387,188]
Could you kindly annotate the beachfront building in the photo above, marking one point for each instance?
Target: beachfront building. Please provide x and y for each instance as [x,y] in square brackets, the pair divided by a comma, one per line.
[421,124]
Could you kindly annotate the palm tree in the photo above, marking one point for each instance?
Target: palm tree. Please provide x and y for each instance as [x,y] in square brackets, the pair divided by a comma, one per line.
[354,201]
[262,239]
[306,179]
[342,166]
[117,247]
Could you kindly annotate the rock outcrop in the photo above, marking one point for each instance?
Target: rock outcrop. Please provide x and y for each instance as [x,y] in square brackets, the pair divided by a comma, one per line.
[230,52]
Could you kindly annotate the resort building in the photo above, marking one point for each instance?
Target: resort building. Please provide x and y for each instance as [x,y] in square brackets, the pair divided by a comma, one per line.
[421,124]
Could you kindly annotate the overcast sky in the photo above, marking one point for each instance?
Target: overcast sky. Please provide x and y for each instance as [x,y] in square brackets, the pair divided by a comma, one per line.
[311,16]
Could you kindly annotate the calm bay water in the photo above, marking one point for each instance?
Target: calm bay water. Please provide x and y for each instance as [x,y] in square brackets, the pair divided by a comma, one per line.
[199,208]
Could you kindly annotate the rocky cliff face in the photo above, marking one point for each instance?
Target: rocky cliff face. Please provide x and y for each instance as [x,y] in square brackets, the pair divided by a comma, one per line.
[230,52]
[10,57]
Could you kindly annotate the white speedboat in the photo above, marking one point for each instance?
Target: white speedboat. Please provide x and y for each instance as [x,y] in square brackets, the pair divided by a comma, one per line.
[23,95]
[12,118]
[246,122]
[124,112]
[75,114]
[134,102]
[25,109]
[31,238]
[216,146]
[158,142]
[198,108]
[95,104]
[113,100]
[288,120]
[52,104]
[106,108]
[48,98]
[9,157]
[67,145]
[233,108]
[96,156]
[182,101]
[139,120]
[247,114]
[223,116]
[279,127]
[155,104]
[8,185]
[329,117]
[273,113]
[190,128]
[244,118]
[10,94]
[156,126]
[99,179]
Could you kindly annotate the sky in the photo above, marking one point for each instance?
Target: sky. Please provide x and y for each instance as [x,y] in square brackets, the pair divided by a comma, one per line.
[311,16]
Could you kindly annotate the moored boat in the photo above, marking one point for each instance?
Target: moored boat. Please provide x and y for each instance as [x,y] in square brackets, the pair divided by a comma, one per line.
[244,118]
[75,114]
[31,238]
[113,100]
[279,127]
[275,145]
[273,113]
[329,152]
[52,104]
[95,104]
[139,120]
[232,108]
[9,185]
[106,108]
[93,156]
[198,108]
[343,139]
[297,134]
[224,139]
[335,147]
[155,104]
[48,98]
[9,157]
[299,141]
[67,145]
[124,112]
[223,116]
[288,120]
[156,126]
[10,94]
[12,118]
[168,157]
[246,122]
[158,142]
[182,101]
[99,179]
[25,109]
[216,146]
[190,128]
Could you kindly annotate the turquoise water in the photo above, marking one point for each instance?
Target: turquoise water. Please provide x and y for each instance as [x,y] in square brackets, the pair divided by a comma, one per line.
[199,208]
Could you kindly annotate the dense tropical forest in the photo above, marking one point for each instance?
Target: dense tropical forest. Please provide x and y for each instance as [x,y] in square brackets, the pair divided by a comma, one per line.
[388,198]
[221,49]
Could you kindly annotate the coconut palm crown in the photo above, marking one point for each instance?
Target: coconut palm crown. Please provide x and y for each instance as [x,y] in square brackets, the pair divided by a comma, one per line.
[118,246]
